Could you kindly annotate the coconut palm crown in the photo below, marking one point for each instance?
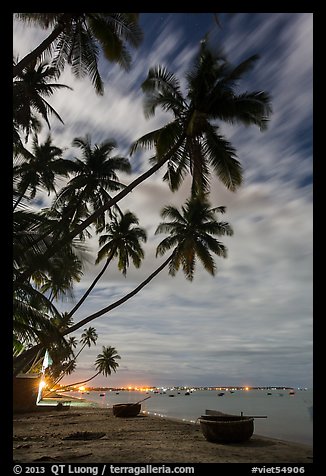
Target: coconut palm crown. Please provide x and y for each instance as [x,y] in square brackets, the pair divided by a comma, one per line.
[210,96]
[191,235]
[78,38]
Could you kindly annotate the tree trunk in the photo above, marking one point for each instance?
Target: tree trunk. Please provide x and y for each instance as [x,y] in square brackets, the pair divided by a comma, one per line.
[119,302]
[83,381]
[108,308]
[68,366]
[20,198]
[38,51]
[82,299]
[59,244]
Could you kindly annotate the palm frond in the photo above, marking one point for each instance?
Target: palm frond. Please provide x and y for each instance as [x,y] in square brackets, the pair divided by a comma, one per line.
[236,73]
[222,157]
[147,141]
[44,20]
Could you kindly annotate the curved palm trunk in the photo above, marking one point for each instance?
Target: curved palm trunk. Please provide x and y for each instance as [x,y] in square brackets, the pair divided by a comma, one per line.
[83,381]
[98,277]
[120,301]
[79,228]
[125,191]
[111,306]
[69,365]
[66,215]
[20,198]
[39,50]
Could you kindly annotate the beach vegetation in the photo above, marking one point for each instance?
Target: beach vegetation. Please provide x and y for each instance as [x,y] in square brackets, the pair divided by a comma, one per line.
[51,244]
[77,39]
[105,364]
[30,88]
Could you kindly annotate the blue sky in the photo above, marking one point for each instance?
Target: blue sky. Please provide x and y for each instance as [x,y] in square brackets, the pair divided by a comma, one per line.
[251,323]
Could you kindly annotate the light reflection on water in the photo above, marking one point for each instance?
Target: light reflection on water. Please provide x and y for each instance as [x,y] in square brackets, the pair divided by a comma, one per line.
[289,417]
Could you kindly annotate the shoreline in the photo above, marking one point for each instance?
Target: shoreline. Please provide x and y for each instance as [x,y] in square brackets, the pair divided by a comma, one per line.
[84,434]
[154,415]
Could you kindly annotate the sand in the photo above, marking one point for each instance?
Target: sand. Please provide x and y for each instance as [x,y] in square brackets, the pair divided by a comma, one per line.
[45,436]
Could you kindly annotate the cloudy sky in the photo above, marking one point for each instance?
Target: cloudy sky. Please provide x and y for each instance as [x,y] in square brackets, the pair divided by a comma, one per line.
[251,323]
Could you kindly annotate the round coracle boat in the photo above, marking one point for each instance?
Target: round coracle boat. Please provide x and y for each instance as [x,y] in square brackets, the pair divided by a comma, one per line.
[126,410]
[226,429]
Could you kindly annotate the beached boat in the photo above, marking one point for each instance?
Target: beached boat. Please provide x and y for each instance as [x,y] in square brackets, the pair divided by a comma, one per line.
[226,428]
[126,410]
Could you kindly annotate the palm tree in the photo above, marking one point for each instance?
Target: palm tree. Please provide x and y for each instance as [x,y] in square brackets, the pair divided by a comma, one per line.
[88,337]
[191,232]
[192,143]
[40,168]
[36,321]
[34,329]
[105,363]
[77,39]
[95,175]
[192,235]
[30,89]
[72,341]
[122,241]
[61,352]
[28,226]
[59,282]
[211,97]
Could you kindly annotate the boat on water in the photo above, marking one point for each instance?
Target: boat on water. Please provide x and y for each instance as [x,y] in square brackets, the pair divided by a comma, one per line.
[220,394]
[291,392]
[102,394]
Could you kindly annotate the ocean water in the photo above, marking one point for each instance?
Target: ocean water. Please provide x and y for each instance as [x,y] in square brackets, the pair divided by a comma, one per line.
[289,417]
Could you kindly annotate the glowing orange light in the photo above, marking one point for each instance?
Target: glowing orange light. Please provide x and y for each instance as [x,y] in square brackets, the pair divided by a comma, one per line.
[81,389]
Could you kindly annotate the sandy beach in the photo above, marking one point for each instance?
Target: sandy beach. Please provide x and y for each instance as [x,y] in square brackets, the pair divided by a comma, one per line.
[95,435]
